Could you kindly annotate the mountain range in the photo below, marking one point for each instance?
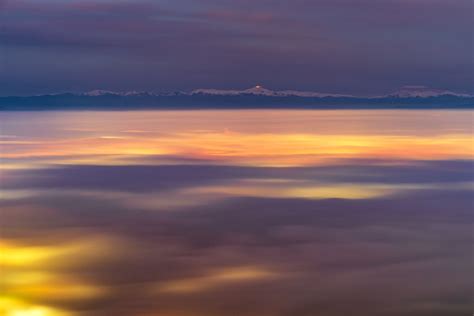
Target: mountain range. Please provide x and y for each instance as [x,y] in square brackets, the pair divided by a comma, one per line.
[404,92]
[255,97]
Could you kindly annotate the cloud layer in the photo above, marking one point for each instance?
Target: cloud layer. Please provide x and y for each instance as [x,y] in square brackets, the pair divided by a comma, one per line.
[170,213]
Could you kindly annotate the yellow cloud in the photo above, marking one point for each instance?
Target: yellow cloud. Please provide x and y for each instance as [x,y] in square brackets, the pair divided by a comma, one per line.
[217,278]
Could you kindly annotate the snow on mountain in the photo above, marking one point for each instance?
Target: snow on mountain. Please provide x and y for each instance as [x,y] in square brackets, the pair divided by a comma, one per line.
[404,92]
[259,90]
[96,93]
[423,92]
[216,92]
[134,93]
[310,94]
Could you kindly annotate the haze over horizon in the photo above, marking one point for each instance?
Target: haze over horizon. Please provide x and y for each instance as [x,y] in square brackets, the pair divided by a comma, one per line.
[355,47]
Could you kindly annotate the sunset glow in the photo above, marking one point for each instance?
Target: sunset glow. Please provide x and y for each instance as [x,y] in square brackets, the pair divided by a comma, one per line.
[225,141]
[236,157]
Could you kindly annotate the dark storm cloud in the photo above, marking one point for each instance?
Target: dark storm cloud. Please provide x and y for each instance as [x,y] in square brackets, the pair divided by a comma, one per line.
[354,46]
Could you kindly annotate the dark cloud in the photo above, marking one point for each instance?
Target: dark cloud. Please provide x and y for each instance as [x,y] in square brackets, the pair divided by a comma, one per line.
[354,46]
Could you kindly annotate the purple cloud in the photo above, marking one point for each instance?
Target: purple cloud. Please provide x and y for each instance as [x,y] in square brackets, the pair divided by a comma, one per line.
[349,46]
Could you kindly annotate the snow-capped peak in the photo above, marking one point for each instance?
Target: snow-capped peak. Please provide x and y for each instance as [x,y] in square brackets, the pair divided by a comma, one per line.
[96,93]
[216,92]
[259,90]
[311,94]
[423,92]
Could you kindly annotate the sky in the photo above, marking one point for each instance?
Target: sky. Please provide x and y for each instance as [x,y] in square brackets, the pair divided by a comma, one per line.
[350,46]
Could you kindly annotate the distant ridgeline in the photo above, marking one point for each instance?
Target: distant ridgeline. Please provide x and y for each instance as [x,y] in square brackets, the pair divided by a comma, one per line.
[412,97]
